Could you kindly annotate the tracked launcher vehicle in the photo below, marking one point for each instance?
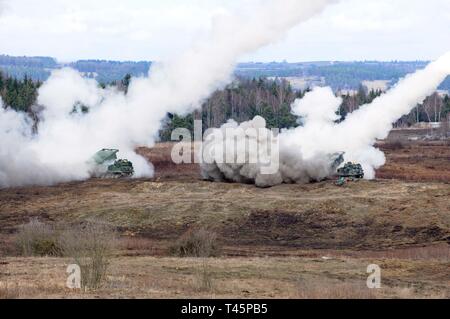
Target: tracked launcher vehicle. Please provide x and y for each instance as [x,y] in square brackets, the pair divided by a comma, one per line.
[109,166]
[349,172]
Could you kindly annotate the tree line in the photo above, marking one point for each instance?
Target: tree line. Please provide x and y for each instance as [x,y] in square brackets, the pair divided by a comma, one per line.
[19,95]
[272,98]
[242,100]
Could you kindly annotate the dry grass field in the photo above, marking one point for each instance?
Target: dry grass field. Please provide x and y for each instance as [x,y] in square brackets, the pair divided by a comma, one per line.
[289,241]
[251,277]
[417,161]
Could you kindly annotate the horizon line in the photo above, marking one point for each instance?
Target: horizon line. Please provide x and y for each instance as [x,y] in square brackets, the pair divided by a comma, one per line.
[58,61]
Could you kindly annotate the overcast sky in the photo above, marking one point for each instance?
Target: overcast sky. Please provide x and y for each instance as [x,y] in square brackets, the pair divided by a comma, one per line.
[156,29]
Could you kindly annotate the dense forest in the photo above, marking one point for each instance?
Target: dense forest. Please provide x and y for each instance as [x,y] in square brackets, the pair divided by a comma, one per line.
[40,68]
[241,101]
[271,99]
[18,94]
[110,71]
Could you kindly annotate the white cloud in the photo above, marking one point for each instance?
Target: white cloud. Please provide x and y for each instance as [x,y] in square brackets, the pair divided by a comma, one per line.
[2,6]
[142,29]
[370,29]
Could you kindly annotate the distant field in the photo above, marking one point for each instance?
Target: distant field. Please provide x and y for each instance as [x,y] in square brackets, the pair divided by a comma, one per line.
[338,75]
[417,161]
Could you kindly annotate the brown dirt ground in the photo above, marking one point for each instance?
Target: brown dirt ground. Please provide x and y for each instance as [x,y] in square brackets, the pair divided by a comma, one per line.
[385,213]
[272,237]
[416,161]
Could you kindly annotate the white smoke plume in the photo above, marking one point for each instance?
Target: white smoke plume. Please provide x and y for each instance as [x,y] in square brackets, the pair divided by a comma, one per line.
[240,153]
[67,140]
[307,153]
[3,7]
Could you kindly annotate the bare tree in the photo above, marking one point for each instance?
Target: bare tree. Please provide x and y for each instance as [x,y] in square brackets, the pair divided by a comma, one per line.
[433,107]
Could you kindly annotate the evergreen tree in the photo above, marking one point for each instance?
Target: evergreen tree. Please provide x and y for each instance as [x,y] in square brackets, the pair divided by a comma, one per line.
[126,82]
[446,110]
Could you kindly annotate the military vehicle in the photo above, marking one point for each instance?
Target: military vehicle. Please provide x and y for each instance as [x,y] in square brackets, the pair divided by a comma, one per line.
[349,171]
[108,166]
[120,168]
[105,156]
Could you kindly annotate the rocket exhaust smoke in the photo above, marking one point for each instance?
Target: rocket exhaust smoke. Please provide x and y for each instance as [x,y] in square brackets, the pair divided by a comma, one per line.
[66,140]
[306,153]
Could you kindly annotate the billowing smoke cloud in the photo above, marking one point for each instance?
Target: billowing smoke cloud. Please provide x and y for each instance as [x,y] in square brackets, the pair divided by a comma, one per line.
[19,164]
[308,153]
[66,140]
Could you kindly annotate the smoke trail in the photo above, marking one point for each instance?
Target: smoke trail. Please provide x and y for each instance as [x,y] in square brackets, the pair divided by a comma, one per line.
[67,139]
[359,132]
[306,153]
